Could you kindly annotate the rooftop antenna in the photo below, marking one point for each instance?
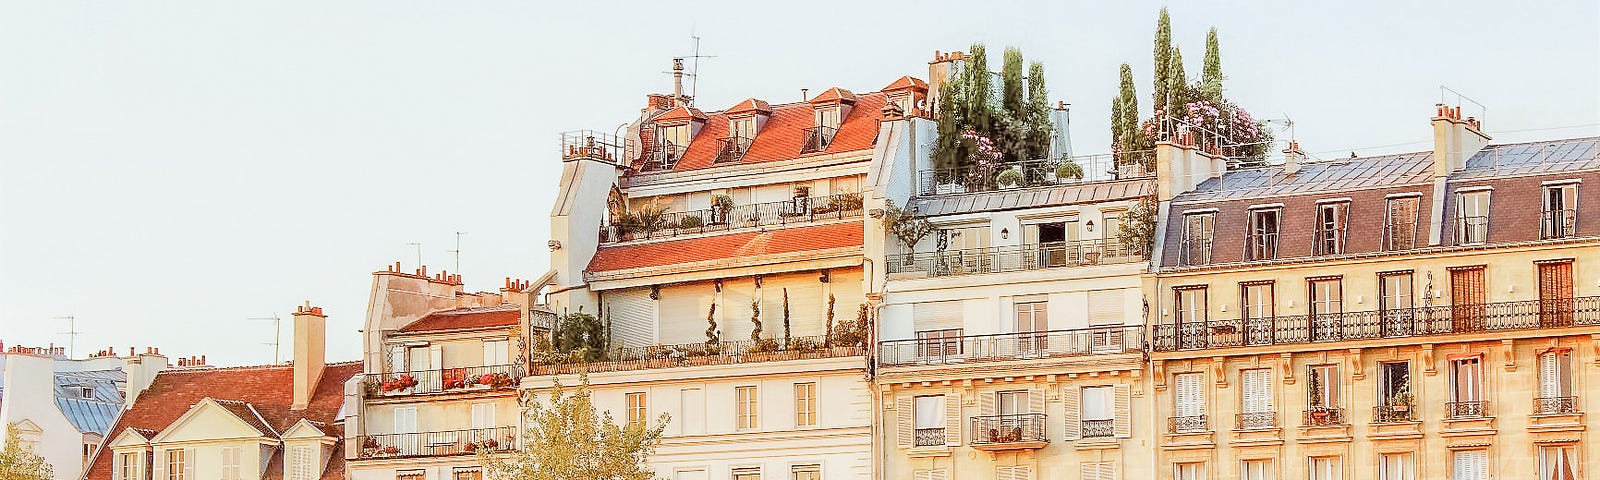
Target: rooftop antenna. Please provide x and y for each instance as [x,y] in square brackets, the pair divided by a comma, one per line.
[277,334]
[694,73]
[1447,91]
[418,245]
[457,251]
[71,333]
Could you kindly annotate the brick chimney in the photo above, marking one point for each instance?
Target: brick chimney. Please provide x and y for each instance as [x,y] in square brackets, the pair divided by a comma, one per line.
[939,71]
[1292,158]
[310,343]
[1454,139]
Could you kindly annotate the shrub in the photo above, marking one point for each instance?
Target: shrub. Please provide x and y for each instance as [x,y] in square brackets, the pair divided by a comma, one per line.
[1070,169]
[1009,178]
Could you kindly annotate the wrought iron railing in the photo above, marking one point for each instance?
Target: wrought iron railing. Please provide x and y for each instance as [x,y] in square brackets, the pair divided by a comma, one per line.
[663,156]
[1011,346]
[1014,258]
[1323,416]
[732,149]
[1555,405]
[1328,242]
[1261,246]
[1399,236]
[1194,251]
[1030,173]
[724,352]
[541,319]
[443,380]
[1462,410]
[1186,424]
[1561,223]
[1471,230]
[818,138]
[927,437]
[1255,420]
[1392,323]
[1008,429]
[1097,428]
[597,145]
[646,225]
[1392,414]
[438,444]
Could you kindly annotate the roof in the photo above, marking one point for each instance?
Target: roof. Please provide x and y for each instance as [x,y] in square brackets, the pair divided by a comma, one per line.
[1322,176]
[680,113]
[268,390]
[503,315]
[96,413]
[727,246]
[907,82]
[750,105]
[1534,157]
[834,95]
[1034,197]
[248,414]
[781,138]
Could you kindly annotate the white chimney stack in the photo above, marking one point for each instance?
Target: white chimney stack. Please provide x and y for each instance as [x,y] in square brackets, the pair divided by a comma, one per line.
[1292,158]
[310,345]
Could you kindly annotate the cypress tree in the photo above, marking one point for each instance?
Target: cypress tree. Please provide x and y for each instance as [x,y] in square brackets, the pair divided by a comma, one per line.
[1012,119]
[1011,83]
[1176,83]
[1163,58]
[977,92]
[1039,125]
[1212,75]
[1116,123]
[948,150]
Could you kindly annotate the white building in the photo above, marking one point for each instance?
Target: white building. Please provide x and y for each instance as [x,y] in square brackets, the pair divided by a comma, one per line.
[63,407]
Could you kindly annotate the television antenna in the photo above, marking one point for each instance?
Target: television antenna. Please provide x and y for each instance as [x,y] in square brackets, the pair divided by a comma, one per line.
[694,66]
[457,251]
[277,334]
[71,333]
[418,245]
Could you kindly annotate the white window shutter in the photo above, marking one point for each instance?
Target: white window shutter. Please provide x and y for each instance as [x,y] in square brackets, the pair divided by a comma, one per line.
[116,467]
[1036,400]
[1549,375]
[1070,400]
[160,462]
[928,475]
[903,417]
[1121,405]
[1098,471]
[986,402]
[1257,386]
[1191,399]
[188,464]
[952,421]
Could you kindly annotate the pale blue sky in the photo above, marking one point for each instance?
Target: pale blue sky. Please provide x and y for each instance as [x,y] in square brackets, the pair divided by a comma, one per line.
[170,169]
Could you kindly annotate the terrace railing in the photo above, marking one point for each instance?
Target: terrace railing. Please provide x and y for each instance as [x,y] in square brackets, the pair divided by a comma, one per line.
[1031,173]
[732,149]
[1466,410]
[1255,420]
[1097,428]
[1016,258]
[927,437]
[1194,252]
[1472,230]
[1393,323]
[1187,424]
[642,226]
[1323,416]
[443,380]
[818,138]
[1555,405]
[1261,246]
[1393,414]
[724,352]
[439,444]
[1002,430]
[1011,346]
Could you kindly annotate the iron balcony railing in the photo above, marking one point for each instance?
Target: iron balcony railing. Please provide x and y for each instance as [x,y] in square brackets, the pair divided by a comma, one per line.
[1392,323]
[1465,410]
[1555,405]
[1256,420]
[818,138]
[1472,230]
[541,319]
[646,225]
[1392,414]
[1030,173]
[663,156]
[1097,428]
[1327,242]
[1560,223]
[1011,346]
[1014,258]
[1261,246]
[1008,429]
[1399,236]
[1195,252]
[732,149]
[443,380]
[1322,416]
[724,352]
[1186,424]
[928,437]
[439,444]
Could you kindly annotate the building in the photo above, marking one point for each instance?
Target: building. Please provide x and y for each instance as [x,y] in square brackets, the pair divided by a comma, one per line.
[1010,338]
[1422,315]
[63,407]
[263,422]
[728,266]
[440,370]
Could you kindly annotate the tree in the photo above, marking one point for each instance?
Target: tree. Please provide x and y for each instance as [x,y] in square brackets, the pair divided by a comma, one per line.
[1163,58]
[1177,83]
[1211,76]
[1039,124]
[1137,231]
[565,438]
[581,337]
[949,152]
[906,226]
[1013,118]
[18,463]
[979,113]
[787,334]
[712,340]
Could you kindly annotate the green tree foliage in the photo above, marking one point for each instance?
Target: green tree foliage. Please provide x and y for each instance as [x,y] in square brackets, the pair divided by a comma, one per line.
[1039,124]
[949,151]
[711,327]
[787,334]
[582,337]
[755,318]
[1016,118]
[1163,59]
[1137,231]
[1211,76]
[977,93]
[17,463]
[566,438]
[1128,141]
[906,226]
[1011,86]
[1177,93]
[1228,128]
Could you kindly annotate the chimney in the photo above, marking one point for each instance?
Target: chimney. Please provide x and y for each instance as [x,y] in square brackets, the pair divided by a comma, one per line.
[677,82]
[310,342]
[1180,166]
[1454,139]
[1292,157]
[939,71]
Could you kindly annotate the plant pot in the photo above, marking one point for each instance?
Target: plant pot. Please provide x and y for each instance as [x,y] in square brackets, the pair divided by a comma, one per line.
[1400,408]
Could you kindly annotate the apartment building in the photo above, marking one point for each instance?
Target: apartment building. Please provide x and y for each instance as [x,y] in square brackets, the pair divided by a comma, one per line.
[728,266]
[63,407]
[1420,315]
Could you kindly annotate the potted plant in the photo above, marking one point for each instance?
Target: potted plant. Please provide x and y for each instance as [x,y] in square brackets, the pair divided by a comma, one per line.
[1402,400]
[690,222]
[1009,178]
[720,205]
[1069,169]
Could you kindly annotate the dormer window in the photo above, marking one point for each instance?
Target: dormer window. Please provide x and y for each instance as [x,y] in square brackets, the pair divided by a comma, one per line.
[1332,222]
[1198,229]
[1472,217]
[670,143]
[741,132]
[743,127]
[827,125]
[828,117]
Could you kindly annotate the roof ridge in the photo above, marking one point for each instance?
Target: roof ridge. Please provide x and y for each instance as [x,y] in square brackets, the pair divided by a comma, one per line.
[263,420]
[787,104]
[1553,140]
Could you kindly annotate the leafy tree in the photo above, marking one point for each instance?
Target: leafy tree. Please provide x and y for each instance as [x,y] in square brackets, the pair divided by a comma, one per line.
[581,337]
[949,152]
[565,438]
[1013,118]
[906,226]
[979,113]
[1039,124]
[1177,94]
[1137,231]
[1128,140]
[1211,76]
[17,463]
[1163,58]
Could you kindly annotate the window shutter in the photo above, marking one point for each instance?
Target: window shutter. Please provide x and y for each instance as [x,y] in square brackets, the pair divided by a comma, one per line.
[633,317]
[1035,400]
[929,475]
[160,462]
[903,417]
[952,420]
[986,404]
[1123,421]
[1549,385]
[116,467]
[188,464]
[1098,471]
[482,415]
[936,315]
[1015,472]
[1190,398]
[1471,465]
[1257,390]
[1070,401]
[1105,307]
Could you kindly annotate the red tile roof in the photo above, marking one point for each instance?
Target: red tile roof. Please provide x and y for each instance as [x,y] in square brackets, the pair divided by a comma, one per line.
[907,82]
[750,105]
[834,95]
[679,113]
[782,136]
[504,315]
[268,389]
[727,246]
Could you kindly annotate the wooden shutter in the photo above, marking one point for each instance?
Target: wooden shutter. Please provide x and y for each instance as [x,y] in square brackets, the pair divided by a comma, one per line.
[1256,387]
[986,403]
[1070,402]
[1121,405]
[1035,400]
[952,419]
[160,467]
[1014,472]
[1471,465]
[188,464]
[846,287]
[1098,471]
[1190,399]
[632,317]
[928,475]
[116,467]
[807,305]
[904,420]
[733,316]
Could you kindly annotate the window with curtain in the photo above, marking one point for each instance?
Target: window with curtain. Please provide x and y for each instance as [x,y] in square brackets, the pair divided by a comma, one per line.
[1470,465]
[805,404]
[745,408]
[1397,466]
[1324,468]
[1472,217]
[1256,469]
[1558,462]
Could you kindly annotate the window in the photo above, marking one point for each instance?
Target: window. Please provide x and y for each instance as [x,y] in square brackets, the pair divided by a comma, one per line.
[496,352]
[1256,469]
[178,465]
[805,404]
[1327,304]
[1189,307]
[1013,402]
[1323,468]
[692,414]
[676,135]
[397,359]
[1257,300]
[1560,216]
[1395,303]
[805,472]
[828,117]
[1261,241]
[303,462]
[1558,462]
[937,474]
[1467,298]
[1189,471]
[939,343]
[1033,321]
[744,399]
[1331,222]
[128,466]
[467,473]
[1322,391]
[1256,399]
[1400,223]
[405,420]
[1189,403]
[1098,471]
[230,463]
[483,415]
[961,249]
[743,127]
[1466,388]
[928,413]
[1470,465]
[1555,293]
[1397,466]
[746,474]
[1394,393]
[1555,383]
[638,411]
[1197,233]
[1014,472]
[1097,417]
[1472,217]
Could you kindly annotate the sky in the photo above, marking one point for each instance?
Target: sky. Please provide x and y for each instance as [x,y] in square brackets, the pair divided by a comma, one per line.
[172,171]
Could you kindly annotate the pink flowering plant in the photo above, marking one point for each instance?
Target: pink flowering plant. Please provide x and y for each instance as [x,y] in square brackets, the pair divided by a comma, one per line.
[1244,138]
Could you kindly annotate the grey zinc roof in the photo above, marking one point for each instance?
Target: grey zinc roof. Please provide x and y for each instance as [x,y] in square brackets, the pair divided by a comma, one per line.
[1534,157]
[1034,197]
[96,413]
[1334,175]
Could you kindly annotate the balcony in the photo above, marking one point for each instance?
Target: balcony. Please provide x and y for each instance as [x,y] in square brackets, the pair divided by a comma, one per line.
[446,380]
[594,145]
[658,225]
[1382,414]
[439,444]
[1011,346]
[663,156]
[1555,406]
[732,149]
[1561,223]
[1030,173]
[1187,424]
[1009,432]
[818,138]
[1323,417]
[928,437]
[1016,258]
[725,352]
[1397,323]
[1466,410]
[1097,428]
[1256,420]
[1261,246]
[1194,252]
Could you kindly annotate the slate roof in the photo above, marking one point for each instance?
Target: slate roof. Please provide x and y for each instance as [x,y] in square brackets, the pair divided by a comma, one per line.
[1534,157]
[998,200]
[96,413]
[752,244]
[780,138]
[503,315]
